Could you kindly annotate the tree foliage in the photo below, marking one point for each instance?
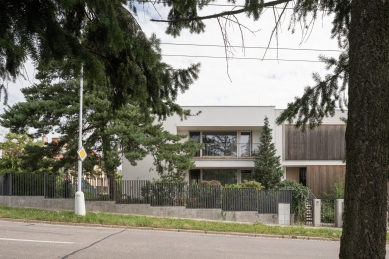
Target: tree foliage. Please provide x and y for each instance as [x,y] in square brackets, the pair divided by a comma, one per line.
[17,153]
[361,71]
[127,86]
[319,100]
[108,133]
[267,167]
[102,35]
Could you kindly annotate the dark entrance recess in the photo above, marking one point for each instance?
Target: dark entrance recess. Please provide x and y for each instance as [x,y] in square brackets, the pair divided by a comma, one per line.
[194,175]
[303,176]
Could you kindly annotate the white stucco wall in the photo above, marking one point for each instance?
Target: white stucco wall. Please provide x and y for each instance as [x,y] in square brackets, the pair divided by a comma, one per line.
[234,118]
[212,118]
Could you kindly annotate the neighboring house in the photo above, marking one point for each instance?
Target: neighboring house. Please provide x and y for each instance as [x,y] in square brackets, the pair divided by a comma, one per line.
[230,137]
[99,181]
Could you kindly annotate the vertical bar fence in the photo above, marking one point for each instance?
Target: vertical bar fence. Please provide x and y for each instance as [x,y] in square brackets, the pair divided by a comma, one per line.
[240,199]
[145,192]
[268,200]
[327,213]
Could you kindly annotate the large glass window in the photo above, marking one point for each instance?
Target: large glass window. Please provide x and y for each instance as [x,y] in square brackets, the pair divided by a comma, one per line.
[224,176]
[245,144]
[196,137]
[219,143]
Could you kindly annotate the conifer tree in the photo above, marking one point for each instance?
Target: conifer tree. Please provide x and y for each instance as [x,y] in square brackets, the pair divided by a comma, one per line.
[267,167]
[127,90]
[358,79]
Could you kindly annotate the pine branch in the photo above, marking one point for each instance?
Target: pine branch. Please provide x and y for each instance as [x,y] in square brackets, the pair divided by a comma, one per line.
[272,3]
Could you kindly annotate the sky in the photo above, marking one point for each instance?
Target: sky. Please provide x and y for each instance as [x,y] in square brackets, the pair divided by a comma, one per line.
[250,82]
[253,82]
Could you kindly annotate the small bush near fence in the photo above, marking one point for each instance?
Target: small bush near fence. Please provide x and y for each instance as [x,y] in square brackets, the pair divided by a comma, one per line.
[300,195]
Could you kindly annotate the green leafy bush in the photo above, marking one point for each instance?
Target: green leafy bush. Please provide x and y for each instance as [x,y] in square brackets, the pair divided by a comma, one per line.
[246,184]
[299,197]
[210,183]
[337,191]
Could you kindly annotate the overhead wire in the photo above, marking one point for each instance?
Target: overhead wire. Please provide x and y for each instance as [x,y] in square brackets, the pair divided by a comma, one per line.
[242,58]
[247,47]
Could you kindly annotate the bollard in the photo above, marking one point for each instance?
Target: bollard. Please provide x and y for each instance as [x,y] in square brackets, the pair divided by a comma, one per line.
[339,209]
[316,218]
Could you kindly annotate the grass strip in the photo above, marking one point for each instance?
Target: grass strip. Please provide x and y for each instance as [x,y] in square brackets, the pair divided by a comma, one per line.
[155,222]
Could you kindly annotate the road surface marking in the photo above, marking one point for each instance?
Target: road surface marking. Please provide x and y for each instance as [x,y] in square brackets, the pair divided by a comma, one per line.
[36,241]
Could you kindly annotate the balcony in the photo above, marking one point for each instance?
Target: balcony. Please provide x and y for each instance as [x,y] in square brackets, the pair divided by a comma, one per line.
[227,151]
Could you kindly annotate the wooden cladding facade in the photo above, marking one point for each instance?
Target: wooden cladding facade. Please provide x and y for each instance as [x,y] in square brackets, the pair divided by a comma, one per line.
[321,179]
[326,142]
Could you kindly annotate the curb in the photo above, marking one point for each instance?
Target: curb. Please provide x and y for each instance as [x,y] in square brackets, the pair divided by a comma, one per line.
[194,231]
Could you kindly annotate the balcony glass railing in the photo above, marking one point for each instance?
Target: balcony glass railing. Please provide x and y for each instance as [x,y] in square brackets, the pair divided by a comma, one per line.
[229,149]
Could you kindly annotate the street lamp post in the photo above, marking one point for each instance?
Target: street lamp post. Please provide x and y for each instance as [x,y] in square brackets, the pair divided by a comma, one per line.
[79,201]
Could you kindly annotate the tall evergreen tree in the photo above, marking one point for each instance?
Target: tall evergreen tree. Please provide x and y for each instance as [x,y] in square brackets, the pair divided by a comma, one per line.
[361,70]
[107,134]
[127,90]
[267,167]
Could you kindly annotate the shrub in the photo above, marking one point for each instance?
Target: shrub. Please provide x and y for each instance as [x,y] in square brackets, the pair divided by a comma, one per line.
[210,183]
[299,197]
[246,184]
[337,191]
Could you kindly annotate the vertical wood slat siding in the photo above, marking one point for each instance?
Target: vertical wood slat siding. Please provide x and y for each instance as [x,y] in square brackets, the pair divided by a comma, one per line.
[321,179]
[326,142]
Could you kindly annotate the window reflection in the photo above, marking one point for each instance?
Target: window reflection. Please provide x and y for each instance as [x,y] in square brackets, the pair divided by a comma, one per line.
[224,176]
[219,143]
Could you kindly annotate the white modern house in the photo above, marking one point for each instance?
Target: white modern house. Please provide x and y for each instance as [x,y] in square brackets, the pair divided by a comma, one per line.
[231,135]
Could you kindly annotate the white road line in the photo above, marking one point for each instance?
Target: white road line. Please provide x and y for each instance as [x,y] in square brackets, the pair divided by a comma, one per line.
[36,241]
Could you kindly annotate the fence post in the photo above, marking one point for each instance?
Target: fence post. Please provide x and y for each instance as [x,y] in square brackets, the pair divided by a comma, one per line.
[44,185]
[10,184]
[316,219]
[339,206]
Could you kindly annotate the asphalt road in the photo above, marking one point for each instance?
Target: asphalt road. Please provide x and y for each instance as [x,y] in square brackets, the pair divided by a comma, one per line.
[23,240]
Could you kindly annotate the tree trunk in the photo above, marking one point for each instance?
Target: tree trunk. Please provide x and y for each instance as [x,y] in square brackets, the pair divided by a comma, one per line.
[364,229]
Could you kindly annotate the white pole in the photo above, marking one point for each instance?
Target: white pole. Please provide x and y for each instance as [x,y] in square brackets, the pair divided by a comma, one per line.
[79,201]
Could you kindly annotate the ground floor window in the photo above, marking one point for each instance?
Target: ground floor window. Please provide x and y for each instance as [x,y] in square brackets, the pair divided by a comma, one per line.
[194,176]
[224,176]
[245,175]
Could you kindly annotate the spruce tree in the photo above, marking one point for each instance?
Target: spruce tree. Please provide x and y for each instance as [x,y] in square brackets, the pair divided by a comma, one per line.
[267,167]
[358,79]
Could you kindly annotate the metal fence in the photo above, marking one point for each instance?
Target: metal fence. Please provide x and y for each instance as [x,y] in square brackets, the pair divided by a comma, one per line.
[240,199]
[205,197]
[199,196]
[327,213]
[268,200]
[53,186]
[145,192]
[14,184]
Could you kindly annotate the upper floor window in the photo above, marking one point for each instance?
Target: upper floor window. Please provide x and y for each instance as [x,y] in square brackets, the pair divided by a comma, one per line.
[224,143]
[196,137]
[220,143]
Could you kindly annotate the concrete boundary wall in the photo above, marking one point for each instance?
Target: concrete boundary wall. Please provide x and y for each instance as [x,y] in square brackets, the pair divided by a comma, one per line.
[40,202]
